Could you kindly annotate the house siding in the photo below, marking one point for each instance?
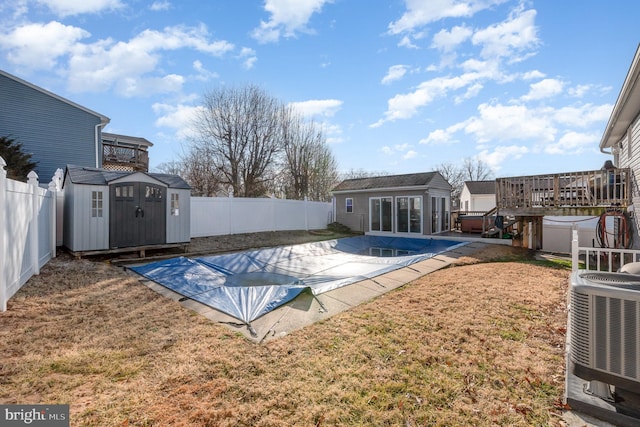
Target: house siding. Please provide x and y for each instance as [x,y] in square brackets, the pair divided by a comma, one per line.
[54,132]
[359,220]
[627,155]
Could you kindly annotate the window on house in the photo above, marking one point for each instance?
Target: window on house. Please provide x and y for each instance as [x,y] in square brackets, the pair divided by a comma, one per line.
[96,204]
[349,202]
[175,204]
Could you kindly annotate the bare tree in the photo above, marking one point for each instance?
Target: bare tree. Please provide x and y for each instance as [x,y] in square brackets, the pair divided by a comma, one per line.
[456,175]
[309,166]
[201,172]
[476,170]
[174,167]
[238,129]
[360,173]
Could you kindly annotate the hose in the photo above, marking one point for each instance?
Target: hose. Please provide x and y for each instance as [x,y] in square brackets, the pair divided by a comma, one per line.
[621,237]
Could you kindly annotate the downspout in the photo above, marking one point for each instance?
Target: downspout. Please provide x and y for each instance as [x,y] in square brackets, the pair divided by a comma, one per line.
[97,143]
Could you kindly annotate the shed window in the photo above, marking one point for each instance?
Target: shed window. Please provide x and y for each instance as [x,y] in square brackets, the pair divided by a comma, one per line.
[349,203]
[124,191]
[96,204]
[175,204]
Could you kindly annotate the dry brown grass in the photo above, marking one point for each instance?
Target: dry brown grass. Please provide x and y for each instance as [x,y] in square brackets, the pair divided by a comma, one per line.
[475,344]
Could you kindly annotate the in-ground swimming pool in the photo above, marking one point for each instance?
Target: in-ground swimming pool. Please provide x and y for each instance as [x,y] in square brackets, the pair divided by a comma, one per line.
[247,285]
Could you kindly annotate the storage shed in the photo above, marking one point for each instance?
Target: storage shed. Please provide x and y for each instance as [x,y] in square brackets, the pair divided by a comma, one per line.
[107,210]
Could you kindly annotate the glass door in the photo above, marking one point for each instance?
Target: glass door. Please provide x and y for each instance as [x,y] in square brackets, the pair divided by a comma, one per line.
[380,214]
[409,214]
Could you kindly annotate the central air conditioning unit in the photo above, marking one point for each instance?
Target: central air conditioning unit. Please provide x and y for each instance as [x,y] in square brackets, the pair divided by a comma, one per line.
[605,332]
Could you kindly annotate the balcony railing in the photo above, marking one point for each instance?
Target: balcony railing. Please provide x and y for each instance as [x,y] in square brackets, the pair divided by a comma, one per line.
[122,157]
[588,189]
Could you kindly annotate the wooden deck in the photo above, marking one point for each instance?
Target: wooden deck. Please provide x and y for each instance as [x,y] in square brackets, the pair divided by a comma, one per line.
[564,194]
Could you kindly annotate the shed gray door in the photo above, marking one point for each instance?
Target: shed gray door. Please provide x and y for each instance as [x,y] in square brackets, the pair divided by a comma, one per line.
[137,214]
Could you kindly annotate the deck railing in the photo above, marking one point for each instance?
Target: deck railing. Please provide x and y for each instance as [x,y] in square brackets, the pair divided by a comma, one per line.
[600,259]
[127,157]
[602,188]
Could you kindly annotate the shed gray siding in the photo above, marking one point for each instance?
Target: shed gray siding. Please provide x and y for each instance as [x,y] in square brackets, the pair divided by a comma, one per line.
[53,131]
[358,220]
[424,185]
[179,226]
[82,232]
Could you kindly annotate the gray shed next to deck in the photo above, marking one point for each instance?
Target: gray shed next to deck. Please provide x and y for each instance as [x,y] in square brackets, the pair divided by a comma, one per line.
[109,210]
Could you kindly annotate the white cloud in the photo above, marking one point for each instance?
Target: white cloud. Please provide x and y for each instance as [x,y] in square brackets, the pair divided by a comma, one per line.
[160,5]
[511,122]
[249,58]
[178,117]
[583,115]
[125,66]
[395,72]
[39,46]
[579,91]
[421,12]
[573,143]
[499,155]
[318,107]
[448,40]
[405,106]
[472,92]
[287,18]
[75,7]
[406,42]
[516,36]
[410,155]
[533,75]
[546,88]
[203,74]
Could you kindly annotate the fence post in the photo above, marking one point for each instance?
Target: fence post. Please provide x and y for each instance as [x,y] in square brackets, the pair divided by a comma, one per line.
[3,237]
[574,250]
[33,182]
[306,213]
[53,222]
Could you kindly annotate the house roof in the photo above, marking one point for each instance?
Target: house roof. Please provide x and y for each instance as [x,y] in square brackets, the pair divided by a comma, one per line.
[481,187]
[93,176]
[389,181]
[626,108]
[103,119]
[114,138]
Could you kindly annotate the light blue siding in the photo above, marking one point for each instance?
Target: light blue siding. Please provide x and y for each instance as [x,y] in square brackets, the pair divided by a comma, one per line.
[55,132]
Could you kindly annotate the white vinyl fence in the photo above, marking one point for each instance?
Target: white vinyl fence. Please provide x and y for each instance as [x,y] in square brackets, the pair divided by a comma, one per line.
[27,231]
[215,216]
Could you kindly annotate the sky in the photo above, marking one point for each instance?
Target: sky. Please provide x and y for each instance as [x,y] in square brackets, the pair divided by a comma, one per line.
[399,86]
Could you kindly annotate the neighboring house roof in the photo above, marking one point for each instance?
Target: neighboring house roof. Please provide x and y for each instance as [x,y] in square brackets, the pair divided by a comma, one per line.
[93,176]
[113,138]
[421,180]
[103,119]
[481,187]
[626,108]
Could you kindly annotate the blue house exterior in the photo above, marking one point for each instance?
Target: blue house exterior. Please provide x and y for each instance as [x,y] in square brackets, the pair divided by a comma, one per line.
[54,130]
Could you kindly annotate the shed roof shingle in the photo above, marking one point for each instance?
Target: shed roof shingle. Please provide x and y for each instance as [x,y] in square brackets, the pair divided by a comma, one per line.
[93,176]
[481,187]
[388,181]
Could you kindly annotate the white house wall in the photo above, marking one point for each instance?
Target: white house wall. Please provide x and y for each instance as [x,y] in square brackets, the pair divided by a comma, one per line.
[629,157]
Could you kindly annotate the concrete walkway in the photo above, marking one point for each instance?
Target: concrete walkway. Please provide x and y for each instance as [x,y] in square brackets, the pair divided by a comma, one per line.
[307,309]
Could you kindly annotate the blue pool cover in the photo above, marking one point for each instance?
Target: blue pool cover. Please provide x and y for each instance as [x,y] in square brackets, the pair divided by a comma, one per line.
[247,285]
